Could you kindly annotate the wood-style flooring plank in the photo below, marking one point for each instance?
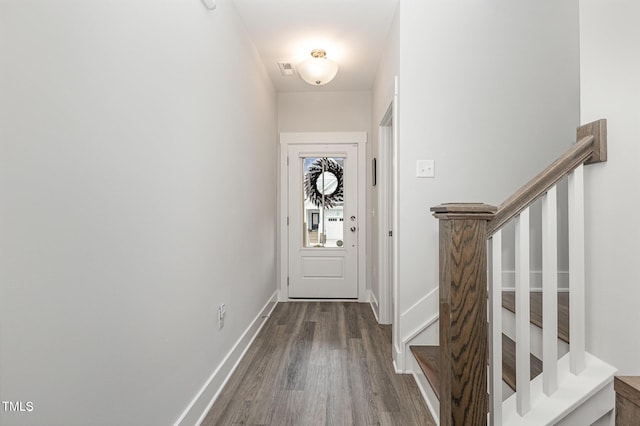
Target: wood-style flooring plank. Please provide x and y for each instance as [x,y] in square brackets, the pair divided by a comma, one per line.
[320,363]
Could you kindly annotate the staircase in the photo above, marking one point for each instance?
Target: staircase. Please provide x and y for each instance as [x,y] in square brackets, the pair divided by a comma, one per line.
[534,375]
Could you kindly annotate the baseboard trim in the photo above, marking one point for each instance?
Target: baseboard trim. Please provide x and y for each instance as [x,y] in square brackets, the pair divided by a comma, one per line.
[373,302]
[398,359]
[196,411]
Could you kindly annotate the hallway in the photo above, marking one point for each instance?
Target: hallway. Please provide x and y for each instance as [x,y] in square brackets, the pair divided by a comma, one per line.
[320,363]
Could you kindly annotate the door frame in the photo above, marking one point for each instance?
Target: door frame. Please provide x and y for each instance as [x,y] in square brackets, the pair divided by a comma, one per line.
[322,138]
[388,217]
[386,210]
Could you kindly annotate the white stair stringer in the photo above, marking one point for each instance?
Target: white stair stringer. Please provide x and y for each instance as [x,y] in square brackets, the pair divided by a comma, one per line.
[416,330]
[580,400]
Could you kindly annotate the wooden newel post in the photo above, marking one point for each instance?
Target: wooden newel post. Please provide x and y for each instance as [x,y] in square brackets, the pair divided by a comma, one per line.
[463,313]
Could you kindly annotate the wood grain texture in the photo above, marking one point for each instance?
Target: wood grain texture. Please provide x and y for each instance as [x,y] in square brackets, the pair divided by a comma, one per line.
[535,314]
[627,400]
[475,211]
[463,322]
[599,131]
[428,358]
[627,413]
[320,363]
[628,387]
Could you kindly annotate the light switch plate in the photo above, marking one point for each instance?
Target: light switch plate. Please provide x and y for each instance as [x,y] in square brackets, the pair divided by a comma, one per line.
[425,168]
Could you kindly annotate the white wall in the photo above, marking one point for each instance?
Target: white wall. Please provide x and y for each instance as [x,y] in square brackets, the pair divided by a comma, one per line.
[610,88]
[324,111]
[124,127]
[489,90]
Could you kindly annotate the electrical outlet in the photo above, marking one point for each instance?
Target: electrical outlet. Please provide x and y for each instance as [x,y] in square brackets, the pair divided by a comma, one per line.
[222,311]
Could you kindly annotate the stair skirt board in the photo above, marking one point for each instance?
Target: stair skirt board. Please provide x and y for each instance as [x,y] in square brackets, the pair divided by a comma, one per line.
[425,334]
[580,400]
[432,401]
[509,330]
[415,329]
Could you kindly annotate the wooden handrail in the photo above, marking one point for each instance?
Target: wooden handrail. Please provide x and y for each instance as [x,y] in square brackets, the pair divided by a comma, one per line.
[590,148]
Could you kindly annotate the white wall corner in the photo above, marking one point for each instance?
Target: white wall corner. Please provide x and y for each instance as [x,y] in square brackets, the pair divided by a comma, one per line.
[196,411]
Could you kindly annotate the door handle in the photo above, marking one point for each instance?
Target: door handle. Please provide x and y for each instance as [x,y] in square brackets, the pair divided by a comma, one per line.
[353,229]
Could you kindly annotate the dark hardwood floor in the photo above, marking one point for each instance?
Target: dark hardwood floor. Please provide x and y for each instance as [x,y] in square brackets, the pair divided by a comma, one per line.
[320,363]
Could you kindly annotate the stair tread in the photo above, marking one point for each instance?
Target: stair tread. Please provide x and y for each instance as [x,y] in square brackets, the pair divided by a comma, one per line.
[628,387]
[509,363]
[428,358]
[509,303]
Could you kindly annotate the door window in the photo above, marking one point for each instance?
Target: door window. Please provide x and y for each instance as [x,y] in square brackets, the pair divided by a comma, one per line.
[323,202]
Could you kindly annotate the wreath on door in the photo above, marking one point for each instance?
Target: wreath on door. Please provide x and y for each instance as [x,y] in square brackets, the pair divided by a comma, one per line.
[313,182]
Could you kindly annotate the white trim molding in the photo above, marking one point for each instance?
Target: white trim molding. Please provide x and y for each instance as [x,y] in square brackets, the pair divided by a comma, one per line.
[373,302]
[414,321]
[196,411]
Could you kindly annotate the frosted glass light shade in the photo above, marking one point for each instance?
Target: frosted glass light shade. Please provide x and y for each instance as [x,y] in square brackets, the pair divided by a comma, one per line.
[318,70]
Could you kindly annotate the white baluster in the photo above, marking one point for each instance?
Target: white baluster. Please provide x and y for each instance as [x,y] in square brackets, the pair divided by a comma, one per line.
[495,320]
[576,271]
[550,292]
[523,340]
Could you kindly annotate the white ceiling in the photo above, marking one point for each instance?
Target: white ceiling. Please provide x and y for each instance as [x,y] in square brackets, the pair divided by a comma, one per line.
[352,32]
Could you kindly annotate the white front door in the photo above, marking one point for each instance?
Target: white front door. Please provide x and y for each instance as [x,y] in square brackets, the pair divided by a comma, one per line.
[323,221]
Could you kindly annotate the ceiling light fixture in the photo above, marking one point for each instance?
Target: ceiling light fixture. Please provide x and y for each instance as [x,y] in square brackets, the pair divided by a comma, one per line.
[318,70]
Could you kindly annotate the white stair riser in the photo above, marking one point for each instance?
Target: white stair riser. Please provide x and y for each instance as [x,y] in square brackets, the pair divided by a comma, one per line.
[593,409]
[579,401]
[509,329]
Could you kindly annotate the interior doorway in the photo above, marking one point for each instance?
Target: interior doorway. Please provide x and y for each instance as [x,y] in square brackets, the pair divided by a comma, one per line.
[387,209]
